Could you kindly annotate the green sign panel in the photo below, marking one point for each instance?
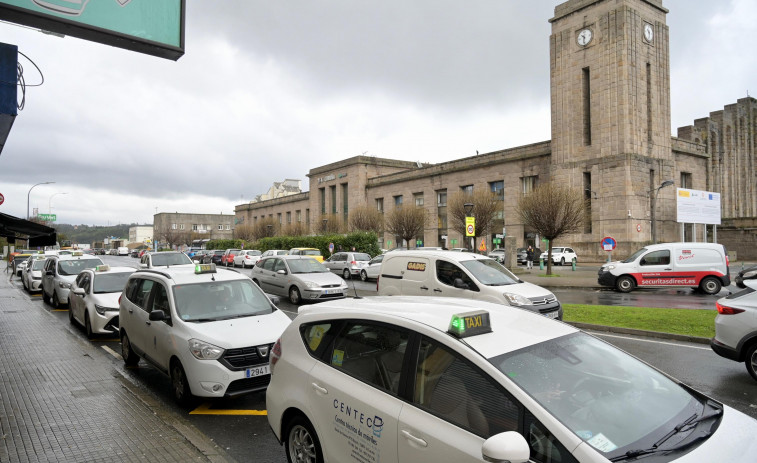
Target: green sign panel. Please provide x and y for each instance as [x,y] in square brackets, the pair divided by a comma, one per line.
[154,27]
[47,217]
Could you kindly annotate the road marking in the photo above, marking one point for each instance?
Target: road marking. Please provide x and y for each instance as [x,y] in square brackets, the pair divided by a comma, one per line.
[59,310]
[112,352]
[205,409]
[650,340]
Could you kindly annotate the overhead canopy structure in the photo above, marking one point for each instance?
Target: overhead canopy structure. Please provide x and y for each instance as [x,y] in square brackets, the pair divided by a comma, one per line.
[15,228]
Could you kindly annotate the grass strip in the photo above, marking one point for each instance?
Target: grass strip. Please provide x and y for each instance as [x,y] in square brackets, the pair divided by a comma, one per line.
[677,321]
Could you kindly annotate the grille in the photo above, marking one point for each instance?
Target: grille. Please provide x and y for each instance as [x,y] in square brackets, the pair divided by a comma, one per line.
[244,357]
[245,385]
[542,300]
[331,286]
[331,296]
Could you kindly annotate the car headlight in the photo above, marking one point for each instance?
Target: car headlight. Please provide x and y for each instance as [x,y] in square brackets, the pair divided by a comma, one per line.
[311,285]
[64,285]
[102,309]
[607,268]
[517,299]
[204,351]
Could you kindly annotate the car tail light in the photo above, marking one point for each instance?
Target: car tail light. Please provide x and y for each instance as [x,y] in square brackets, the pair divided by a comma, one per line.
[353,262]
[275,354]
[727,261]
[119,298]
[725,310]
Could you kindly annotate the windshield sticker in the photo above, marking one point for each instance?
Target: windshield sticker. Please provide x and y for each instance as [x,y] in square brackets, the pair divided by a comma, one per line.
[601,443]
[416,266]
[361,429]
[338,358]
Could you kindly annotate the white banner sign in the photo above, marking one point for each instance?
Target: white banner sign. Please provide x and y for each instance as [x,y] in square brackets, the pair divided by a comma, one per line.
[694,206]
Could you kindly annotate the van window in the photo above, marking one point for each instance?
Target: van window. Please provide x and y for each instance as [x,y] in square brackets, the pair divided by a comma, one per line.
[656,258]
[490,272]
[447,273]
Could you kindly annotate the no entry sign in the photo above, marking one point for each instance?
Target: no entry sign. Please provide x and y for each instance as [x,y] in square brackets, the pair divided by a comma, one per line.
[2,198]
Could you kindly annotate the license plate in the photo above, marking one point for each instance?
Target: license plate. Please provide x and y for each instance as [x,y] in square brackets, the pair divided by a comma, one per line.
[260,370]
[332,291]
[552,314]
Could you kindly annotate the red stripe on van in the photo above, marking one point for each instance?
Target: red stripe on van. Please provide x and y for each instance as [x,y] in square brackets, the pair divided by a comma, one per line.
[672,278]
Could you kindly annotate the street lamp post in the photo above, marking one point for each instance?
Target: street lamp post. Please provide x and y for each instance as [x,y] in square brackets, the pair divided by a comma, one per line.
[468,207]
[49,202]
[29,194]
[269,227]
[654,193]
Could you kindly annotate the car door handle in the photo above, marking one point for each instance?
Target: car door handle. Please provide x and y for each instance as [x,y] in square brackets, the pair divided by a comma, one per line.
[131,310]
[668,269]
[148,322]
[319,389]
[413,439]
[423,287]
[437,290]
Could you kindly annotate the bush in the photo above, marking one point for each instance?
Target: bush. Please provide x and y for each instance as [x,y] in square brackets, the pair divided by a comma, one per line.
[226,244]
[362,242]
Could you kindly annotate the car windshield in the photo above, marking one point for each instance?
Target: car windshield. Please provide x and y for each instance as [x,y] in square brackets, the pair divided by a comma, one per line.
[310,252]
[555,250]
[361,257]
[306,266]
[170,258]
[609,399]
[73,267]
[490,272]
[218,252]
[110,282]
[220,300]
[38,264]
[635,255]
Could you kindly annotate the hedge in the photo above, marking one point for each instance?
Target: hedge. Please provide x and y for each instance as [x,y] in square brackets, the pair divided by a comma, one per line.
[362,242]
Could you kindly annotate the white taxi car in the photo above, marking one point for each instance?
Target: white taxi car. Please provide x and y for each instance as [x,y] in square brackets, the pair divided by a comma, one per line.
[93,300]
[31,277]
[210,331]
[424,379]
[60,271]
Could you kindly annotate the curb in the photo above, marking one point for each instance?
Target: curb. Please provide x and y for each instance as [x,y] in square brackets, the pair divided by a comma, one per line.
[643,333]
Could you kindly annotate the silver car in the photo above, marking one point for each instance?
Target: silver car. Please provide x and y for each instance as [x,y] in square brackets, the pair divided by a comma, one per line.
[31,277]
[347,264]
[373,269]
[301,278]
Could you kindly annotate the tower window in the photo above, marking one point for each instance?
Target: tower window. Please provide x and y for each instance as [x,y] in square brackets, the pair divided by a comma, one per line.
[587,106]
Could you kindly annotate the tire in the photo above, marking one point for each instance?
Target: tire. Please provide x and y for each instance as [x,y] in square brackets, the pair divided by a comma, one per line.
[179,385]
[751,360]
[346,274]
[301,442]
[45,297]
[71,318]
[294,295]
[87,325]
[363,275]
[625,284]
[56,302]
[127,353]
[562,261]
[710,285]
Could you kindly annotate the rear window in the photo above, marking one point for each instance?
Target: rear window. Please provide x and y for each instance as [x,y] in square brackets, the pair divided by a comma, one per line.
[312,252]
[362,257]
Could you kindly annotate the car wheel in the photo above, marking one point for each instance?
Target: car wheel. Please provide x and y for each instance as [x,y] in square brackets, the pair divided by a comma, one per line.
[127,353]
[751,360]
[346,274]
[71,318]
[302,444]
[56,301]
[87,325]
[710,285]
[294,295]
[562,261]
[45,297]
[363,275]
[181,392]
[625,284]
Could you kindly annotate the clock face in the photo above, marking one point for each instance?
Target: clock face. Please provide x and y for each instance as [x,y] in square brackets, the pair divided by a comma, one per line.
[584,37]
[648,32]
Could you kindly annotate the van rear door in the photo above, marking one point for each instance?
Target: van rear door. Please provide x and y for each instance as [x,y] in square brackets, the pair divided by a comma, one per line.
[416,277]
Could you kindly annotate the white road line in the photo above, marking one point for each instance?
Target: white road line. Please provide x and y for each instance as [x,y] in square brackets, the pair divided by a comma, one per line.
[649,340]
[112,352]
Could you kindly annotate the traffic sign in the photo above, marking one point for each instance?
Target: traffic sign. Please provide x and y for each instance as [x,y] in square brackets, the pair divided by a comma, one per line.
[2,198]
[47,217]
[331,247]
[482,248]
[470,226]
[608,243]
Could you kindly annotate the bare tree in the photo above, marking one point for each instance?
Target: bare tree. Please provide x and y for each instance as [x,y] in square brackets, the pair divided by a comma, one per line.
[553,211]
[295,229]
[366,218]
[485,208]
[171,236]
[330,223]
[406,222]
[265,228]
[244,232]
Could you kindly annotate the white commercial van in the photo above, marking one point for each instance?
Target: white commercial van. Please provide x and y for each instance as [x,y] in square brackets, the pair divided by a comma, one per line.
[123,251]
[461,274]
[696,265]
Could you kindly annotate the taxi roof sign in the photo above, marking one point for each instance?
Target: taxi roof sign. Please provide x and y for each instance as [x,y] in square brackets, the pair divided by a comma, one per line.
[205,268]
[102,268]
[468,324]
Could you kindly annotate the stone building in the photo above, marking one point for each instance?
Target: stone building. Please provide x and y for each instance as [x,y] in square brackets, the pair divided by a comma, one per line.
[611,139]
[181,228]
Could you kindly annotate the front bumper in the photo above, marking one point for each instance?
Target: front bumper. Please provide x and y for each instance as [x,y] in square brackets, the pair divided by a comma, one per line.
[605,278]
[104,324]
[322,293]
[211,378]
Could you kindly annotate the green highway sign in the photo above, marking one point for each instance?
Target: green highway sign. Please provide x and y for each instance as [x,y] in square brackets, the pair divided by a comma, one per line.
[47,217]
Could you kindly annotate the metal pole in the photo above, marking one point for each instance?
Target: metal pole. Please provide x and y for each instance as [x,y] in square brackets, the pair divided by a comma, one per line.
[29,194]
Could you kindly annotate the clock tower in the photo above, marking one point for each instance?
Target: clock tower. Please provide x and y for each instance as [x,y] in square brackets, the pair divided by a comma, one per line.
[610,97]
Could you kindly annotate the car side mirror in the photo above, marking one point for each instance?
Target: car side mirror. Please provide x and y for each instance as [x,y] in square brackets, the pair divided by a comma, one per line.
[142,265]
[459,283]
[504,447]
[79,291]
[281,272]
[157,316]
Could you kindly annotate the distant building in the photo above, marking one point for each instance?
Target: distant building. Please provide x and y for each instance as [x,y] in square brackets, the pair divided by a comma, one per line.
[181,229]
[141,234]
[279,190]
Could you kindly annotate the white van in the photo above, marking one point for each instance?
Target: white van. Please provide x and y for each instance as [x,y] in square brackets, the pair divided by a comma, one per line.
[123,251]
[695,265]
[461,274]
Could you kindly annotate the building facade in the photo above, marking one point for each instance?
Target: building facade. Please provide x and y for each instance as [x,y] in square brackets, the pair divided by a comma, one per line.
[611,140]
[141,234]
[179,228]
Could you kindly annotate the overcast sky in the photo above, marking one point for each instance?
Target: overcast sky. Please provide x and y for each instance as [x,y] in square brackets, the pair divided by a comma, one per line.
[268,90]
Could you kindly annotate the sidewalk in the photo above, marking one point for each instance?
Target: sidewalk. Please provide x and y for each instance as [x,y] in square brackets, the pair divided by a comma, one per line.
[62,400]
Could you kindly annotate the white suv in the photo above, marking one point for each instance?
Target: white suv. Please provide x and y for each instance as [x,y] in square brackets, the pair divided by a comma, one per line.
[560,256]
[210,331]
[60,271]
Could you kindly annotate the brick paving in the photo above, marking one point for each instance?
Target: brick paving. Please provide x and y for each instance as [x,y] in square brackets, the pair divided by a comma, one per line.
[62,399]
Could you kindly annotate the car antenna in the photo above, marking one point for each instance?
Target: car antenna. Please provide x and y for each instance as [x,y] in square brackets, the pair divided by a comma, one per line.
[354,290]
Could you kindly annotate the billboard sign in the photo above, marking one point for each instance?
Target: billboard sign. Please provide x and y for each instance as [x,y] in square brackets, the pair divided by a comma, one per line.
[154,27]
[695,206]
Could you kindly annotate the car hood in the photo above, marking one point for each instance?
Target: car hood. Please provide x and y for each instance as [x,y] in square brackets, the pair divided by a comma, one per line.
[241,332]
[525,289]
[325,278]
[107,299]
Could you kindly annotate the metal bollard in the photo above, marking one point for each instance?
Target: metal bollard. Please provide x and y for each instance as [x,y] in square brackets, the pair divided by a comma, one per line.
[573,264]
[541,264]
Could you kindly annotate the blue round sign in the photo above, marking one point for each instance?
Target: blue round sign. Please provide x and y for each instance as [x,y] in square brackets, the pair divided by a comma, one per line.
[608,243]
[331,248]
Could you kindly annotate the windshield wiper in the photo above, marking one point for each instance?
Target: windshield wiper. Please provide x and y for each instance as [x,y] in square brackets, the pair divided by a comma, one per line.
[203,320]
[683,426]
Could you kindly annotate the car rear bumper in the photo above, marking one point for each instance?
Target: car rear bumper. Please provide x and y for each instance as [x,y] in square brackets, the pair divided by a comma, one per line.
[724,351]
